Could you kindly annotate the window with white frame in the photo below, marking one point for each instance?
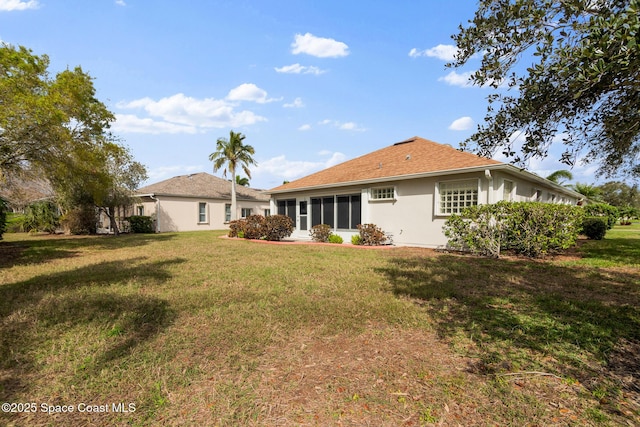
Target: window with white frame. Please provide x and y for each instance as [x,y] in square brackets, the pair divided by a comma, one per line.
[202,212]
[140,210]
[507,191]
[267,212]
[245,212]
[383,193]
[454,196]
[227,212]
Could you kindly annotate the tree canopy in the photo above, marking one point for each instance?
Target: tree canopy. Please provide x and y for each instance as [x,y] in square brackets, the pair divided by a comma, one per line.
[581,87]
[57,129]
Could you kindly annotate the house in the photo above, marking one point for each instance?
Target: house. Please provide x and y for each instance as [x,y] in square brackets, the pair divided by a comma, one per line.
[198,201]
[408,189]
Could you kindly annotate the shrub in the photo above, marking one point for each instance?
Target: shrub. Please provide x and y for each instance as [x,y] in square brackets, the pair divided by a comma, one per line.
[257,227]
[3,216]
[320,233]
[603,210]
[41,216]
[356,239]
[371,235]
[140,224]
[277,227]
[594,227]
[528,228]
[80,220]
[334,238]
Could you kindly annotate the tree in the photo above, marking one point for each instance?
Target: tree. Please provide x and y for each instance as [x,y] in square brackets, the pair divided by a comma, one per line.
[590,192]
[231,154]
[244,181]
[619,194]
[560,176]
[583,81]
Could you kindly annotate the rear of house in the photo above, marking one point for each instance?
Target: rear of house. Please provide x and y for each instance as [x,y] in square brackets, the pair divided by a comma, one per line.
[408,189]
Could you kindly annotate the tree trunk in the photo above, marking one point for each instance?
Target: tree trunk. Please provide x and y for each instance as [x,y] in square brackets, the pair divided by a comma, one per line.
[112,220]
[234,210]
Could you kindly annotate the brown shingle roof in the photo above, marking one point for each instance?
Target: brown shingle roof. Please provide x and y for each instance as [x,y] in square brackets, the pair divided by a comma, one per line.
[201,185]
[413,156]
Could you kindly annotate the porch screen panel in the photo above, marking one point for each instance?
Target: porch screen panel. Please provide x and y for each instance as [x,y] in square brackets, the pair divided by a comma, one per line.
[316,212]
[355,212]
[343,211]
[291,210]
[282,207]
[327,211]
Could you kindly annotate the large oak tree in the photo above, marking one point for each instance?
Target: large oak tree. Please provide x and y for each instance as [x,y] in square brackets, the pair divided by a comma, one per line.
[573,72]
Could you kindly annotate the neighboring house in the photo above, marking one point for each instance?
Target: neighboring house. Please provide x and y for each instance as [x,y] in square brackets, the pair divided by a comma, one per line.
[198,201]
[408,189]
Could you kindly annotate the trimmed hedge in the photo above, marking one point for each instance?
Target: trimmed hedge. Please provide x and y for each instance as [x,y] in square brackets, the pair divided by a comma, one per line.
[3,216]
[594,227]
[141,224]
[610,213]
[528,228]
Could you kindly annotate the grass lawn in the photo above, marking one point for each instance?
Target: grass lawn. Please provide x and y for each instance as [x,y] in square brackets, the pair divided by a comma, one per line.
[188,328]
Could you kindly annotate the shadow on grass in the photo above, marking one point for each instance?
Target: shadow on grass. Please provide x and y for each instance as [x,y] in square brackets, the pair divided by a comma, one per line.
[621,251]
[32,249]
[36,316]
[524,315]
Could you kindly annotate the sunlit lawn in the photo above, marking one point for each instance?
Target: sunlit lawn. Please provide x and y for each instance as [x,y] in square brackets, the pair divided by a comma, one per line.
[193,328]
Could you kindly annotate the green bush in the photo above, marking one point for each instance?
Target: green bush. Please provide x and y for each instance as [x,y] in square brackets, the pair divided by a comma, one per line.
[41,217]
[371,235]
[334,238]
[356,239]
[320,233]
[594,227]
[528,228]
[141,224]
[611,213]
[3,216]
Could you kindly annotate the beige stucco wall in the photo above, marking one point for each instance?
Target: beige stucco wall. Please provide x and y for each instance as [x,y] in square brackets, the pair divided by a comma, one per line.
[182,214]
[412,218]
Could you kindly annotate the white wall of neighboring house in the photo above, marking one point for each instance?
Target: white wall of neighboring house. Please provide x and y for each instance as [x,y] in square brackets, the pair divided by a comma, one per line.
[413,216]
[184,213]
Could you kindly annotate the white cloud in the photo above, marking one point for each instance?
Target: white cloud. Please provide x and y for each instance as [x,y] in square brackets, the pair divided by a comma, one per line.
[300,69]
[445,52]
[120,3]
[11,5]
[182,114]
[457,79]
[297,103]
[289,170]
[305,127]
[463,123]
[318,46]
[342,126]
[249,92]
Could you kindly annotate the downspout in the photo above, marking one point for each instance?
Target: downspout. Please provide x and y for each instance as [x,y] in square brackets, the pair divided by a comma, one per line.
[487,174]
[153,197]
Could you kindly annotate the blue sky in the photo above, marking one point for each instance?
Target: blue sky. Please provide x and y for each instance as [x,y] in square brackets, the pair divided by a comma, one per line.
[310,83]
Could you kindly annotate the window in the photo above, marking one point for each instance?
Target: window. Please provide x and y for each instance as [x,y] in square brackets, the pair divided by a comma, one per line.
[386,193]
[227,212]
[140,210]
[507,191]
[267,212]
[245,212]
[202,212]
[552,198]
[288,208]
[454,196]
[537,195]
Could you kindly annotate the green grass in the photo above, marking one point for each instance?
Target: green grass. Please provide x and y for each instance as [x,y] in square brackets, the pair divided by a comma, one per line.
[193,328]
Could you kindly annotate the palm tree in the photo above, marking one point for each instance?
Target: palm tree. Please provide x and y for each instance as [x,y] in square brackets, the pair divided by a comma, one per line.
[560,176]
[244,181]
[231,154]
[590,192]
